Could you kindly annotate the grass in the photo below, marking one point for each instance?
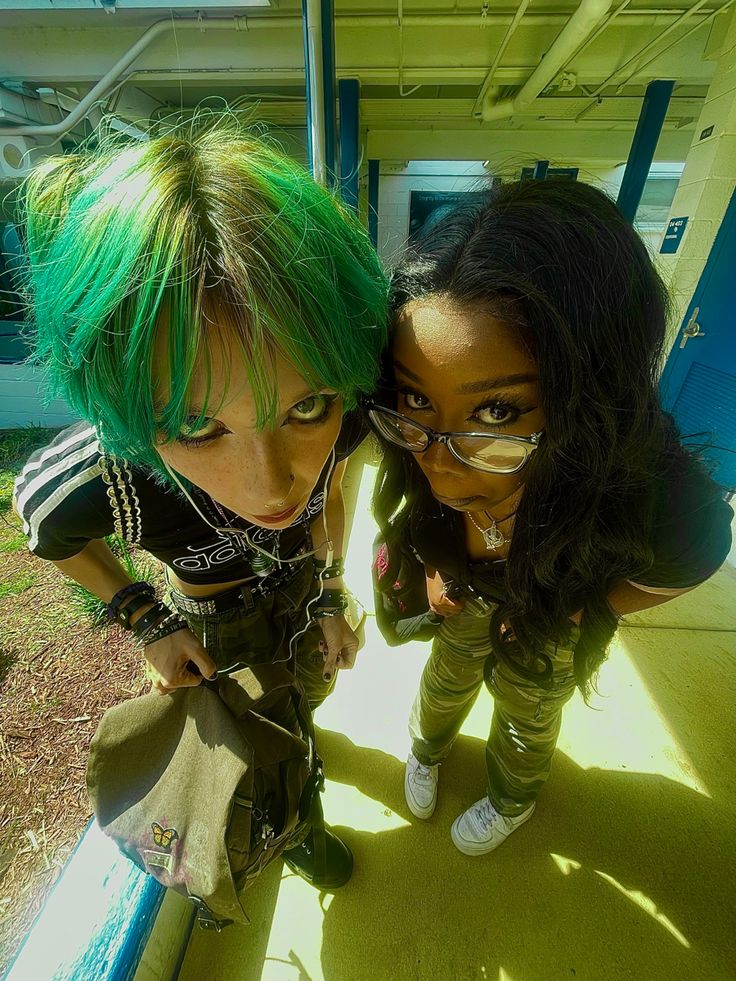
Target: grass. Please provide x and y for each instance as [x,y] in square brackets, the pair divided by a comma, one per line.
[57,677]
[136,564]
[16,445]
[17,584]
[13,543]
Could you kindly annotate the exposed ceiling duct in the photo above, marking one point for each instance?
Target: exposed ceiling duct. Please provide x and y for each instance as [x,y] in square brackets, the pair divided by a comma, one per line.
[577,30]
[114,75]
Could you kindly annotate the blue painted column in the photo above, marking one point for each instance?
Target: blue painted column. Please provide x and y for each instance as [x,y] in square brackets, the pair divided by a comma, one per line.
[307,85]
[651,120]
[327,8]
[349,95]
[373,201]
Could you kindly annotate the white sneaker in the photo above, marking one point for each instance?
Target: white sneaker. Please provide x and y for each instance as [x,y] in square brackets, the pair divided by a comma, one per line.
[481,828]
[420,787]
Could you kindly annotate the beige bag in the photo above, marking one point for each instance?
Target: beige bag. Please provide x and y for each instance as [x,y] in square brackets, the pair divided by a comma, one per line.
[202,788]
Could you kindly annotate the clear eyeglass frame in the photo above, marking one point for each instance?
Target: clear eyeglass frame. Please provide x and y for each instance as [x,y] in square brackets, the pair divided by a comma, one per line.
[394,426]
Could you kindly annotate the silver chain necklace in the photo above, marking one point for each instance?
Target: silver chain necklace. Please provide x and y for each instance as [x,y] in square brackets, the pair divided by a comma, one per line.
[493,537]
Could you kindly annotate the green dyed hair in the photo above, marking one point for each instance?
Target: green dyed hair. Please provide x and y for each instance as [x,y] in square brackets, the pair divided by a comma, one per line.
[178,234]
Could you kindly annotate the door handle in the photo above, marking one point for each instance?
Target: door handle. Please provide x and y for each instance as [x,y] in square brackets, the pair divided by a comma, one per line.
[692,328]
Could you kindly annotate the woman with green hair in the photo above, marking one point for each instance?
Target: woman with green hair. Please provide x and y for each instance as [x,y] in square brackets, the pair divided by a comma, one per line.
[212,314]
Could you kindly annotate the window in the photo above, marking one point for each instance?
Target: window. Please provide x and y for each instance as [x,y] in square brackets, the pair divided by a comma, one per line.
[656,202]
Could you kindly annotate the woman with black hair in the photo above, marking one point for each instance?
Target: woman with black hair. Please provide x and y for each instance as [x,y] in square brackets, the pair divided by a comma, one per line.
[529,465]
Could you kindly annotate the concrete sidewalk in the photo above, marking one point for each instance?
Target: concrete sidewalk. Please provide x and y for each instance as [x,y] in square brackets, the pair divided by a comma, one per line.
[625,871]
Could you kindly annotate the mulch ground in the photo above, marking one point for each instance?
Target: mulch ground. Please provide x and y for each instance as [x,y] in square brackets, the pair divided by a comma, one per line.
[57,677]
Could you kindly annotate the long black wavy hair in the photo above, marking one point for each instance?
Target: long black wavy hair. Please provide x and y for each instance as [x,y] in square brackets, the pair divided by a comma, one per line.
[556,262]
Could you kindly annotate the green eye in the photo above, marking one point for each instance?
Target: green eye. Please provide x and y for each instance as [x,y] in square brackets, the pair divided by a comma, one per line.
[191,433]
[312,409]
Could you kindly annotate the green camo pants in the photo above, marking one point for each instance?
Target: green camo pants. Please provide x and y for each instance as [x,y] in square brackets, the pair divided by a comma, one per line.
[526,718]
[260,628]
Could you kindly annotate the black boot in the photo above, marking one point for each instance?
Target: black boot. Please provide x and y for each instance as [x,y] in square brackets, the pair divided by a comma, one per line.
[338,863]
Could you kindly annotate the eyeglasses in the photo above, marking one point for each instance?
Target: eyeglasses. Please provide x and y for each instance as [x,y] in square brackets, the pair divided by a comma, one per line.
[481,451]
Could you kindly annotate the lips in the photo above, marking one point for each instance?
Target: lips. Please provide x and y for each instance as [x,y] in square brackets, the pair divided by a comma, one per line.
[275,519]
[459,502]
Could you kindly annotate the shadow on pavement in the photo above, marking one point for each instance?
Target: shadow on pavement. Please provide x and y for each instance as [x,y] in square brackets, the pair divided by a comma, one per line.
[618,875]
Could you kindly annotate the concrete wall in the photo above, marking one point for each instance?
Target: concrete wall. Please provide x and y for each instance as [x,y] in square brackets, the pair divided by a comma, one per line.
[399,179]
[22,400]
[707,184]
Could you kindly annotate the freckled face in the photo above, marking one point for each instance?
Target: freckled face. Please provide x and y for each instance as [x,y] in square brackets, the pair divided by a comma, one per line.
[460,369]
[266,476]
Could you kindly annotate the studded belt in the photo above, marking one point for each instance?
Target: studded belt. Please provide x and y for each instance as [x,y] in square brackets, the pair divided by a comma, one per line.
[244,595]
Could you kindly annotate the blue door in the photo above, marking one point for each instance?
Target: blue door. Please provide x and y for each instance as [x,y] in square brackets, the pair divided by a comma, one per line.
[699,381]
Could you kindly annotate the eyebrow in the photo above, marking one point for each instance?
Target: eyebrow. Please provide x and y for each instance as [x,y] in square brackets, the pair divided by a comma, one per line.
[195,409]
[485,385]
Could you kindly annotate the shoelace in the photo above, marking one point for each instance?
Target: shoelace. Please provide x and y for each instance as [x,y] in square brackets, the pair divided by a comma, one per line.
[423,773]
[485,814]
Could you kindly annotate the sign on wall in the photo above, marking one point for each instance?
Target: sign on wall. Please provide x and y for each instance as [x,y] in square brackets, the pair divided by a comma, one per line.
[673,235]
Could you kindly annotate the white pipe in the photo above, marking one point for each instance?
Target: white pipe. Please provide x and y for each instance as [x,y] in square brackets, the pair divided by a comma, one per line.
[641,65]
[499,110]
[108,80]
[582,23]
[316,121]
[488,80]
[637,61]
[621,9]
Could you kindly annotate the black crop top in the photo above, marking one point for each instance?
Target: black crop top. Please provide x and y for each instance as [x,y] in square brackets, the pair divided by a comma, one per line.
[690,536]
[69,493]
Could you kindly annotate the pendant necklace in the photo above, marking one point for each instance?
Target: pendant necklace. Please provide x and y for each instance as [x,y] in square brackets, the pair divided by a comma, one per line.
[493,537]
[261,564]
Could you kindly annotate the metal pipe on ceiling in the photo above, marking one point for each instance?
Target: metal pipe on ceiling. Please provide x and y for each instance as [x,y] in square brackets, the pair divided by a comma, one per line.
[696,27]
[578,28]
[597,33]
[108,80]
[243,23]
[488,80]
[635,61]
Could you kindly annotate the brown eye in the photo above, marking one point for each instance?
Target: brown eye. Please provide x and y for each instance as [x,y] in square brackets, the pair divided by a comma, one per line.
[415,401]
[497,414]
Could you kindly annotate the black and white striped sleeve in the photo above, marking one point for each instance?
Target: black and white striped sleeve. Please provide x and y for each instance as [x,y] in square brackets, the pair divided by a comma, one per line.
[61,496]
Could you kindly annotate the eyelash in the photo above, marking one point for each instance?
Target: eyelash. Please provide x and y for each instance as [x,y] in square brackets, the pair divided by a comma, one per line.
[516,408]
[193,442]
[329,402]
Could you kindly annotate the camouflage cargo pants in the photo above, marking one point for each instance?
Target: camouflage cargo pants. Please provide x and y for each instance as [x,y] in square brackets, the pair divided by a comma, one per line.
[526,718]
[260,629]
